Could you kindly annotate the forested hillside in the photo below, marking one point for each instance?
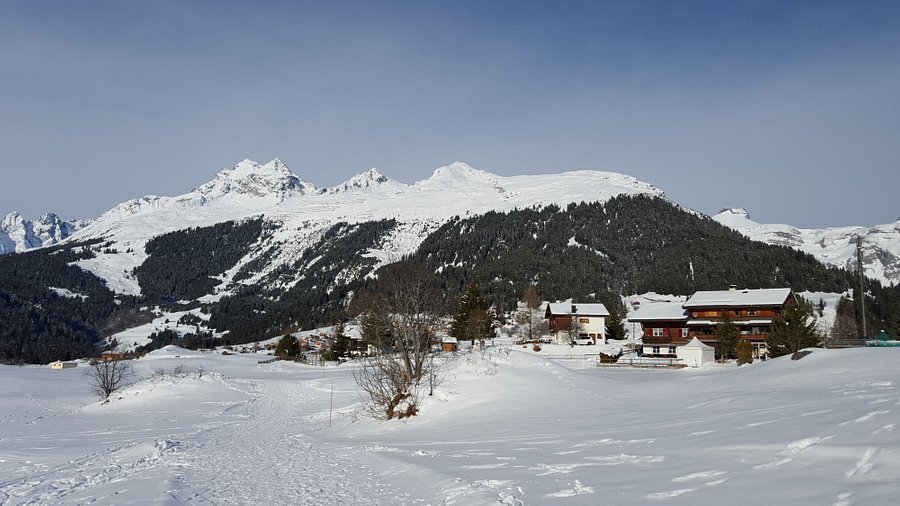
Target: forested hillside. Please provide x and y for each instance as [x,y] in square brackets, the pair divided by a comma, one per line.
[587,251]
[625,246]
[182,264]
[311,291]
[49,309]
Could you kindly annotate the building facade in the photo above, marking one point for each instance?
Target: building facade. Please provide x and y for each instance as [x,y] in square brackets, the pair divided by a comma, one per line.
[665,327]
[571,321]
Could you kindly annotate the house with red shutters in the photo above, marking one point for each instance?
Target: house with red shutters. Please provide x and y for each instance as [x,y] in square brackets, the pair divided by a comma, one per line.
[667,326]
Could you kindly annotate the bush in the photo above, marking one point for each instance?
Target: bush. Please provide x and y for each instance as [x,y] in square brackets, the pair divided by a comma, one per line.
[108,377]
[744,352]
[609,359]
[536,347]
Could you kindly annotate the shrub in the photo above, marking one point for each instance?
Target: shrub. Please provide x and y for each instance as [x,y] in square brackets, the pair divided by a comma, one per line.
[609,359]
[744,352]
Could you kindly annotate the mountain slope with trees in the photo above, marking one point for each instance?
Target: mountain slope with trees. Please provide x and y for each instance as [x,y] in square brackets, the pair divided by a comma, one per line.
[587,251]
[597,251]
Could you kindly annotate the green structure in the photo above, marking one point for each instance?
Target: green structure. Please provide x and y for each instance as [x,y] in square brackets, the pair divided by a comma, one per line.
[883,340]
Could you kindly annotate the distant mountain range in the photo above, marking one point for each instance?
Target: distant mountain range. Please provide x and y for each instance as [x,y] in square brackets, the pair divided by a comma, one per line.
[258,250]
[303,212]
[18,234]
[273,190]
[832,246]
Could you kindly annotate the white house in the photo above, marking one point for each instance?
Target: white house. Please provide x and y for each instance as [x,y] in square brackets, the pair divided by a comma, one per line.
[590,321]
[695,353]
[59,364]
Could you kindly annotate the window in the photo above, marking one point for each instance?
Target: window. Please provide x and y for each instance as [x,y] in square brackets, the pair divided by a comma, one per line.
[684,332]
[657,332]
[655,350]
[759,350]
[671,350]
[584,320]
[752,312]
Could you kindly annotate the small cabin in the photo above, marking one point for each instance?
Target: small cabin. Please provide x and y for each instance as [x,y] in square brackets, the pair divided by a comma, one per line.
[109,356]
[59,364]
[449,344]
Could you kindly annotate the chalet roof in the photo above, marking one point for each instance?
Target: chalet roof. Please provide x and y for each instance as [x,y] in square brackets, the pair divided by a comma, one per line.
[696,343]
[739,298]
[577,308]
[671,311]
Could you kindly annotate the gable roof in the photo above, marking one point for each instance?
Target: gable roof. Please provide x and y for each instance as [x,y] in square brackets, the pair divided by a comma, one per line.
[671,311]
[698,344]
[739,298]
[576,308]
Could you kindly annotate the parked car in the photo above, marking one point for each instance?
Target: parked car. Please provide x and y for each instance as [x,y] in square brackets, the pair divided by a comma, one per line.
[584,339]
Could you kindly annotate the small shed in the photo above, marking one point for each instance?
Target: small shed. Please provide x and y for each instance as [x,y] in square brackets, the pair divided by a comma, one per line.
[449,344]
[109,356]
[695,353]
[59,364]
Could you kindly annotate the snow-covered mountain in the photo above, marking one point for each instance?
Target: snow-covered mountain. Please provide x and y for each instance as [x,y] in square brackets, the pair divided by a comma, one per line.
[371,180]
[300,213]
[832,246]
[18,234]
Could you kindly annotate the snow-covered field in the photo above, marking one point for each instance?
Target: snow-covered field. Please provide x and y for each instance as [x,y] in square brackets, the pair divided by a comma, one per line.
[509,426]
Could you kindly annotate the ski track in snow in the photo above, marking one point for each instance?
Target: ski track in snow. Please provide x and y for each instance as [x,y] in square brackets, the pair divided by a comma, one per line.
[280,465]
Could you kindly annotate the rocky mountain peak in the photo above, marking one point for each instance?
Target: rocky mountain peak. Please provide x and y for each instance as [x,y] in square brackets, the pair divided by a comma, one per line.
[370,179]
[248,178]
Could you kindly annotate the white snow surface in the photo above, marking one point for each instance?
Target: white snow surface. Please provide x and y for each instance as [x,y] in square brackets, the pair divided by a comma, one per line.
[304,213]
[508,426]
[832,246]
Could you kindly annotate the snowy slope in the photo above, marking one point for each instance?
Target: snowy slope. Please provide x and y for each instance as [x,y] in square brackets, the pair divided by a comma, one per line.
[18,234]
[302,213]
[507,427]
[832,246]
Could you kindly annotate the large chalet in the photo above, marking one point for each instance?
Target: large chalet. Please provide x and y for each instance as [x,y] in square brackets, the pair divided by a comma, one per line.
[667,326]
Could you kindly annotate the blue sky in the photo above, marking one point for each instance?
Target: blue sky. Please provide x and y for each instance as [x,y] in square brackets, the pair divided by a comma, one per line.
[790,109]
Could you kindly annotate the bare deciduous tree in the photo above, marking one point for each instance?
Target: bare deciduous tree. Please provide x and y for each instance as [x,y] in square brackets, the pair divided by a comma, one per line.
[405,312]
[107,377]
[844,328]
[573,329]
[531,318]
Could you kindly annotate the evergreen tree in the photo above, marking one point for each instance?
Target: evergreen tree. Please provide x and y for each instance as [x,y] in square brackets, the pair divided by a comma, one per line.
[472,320]
[341,342]
[727,336]
[288,347]
[615,329]
[792,330]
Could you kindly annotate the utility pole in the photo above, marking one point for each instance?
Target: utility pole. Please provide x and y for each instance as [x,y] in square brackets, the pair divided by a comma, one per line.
[862,287]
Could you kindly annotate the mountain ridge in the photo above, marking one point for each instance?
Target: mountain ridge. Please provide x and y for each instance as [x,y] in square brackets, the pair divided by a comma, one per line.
[18,234]
[272,189]
[835,246]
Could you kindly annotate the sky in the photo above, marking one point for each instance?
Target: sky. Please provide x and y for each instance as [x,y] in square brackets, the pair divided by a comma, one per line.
[788,109]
